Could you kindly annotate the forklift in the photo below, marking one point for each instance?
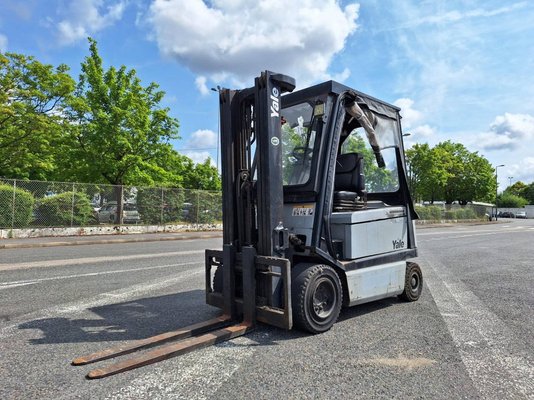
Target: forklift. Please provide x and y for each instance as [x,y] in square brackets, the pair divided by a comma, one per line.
[317,216]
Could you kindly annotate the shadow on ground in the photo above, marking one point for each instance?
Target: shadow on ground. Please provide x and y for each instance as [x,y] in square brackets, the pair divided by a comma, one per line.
[130,320]
[143,318]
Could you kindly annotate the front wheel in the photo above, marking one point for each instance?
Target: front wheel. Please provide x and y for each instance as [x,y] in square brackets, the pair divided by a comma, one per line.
[316,297]
[413,282]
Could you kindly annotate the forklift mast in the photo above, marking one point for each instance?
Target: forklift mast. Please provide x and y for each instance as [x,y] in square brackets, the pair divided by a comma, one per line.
[252,165]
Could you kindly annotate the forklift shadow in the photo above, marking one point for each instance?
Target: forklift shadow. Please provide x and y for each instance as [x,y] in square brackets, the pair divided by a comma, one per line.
[267,335]
[129,320]
[362,309]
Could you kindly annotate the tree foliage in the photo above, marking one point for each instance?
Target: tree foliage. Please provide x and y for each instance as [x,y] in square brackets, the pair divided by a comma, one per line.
[203,176]
[16,207]
[120,128]
[64,209]
[510,200]
[449,172]
[528,193]
[376,179]
[32,97]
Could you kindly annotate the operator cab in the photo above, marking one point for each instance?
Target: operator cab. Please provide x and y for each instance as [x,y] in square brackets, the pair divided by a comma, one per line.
[345,189]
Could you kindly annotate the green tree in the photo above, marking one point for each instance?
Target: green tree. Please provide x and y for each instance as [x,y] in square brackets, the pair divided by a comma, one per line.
[450,172]
[16,206]
[64,209]
[516,189]
[32,123]
[528,193]
[376,179]
[203,176]
[120,129]
[426,177]
[511,201]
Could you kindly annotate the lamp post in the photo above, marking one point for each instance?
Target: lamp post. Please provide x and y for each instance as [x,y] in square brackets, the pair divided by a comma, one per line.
[510,180]
[497,188]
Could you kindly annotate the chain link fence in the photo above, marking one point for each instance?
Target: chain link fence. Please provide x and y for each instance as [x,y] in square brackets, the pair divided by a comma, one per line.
[439,212]
[35,204]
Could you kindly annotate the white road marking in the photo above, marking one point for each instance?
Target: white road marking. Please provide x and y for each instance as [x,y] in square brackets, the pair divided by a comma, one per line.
[470,235]
[483,340]
[441,232]
[9,285]
[6,285]
[91,260]
[194,376]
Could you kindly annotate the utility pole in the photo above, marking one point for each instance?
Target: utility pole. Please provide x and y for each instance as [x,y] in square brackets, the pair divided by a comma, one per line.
[497,189]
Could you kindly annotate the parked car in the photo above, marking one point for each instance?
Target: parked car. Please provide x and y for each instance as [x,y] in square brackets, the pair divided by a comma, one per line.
[107,214]
[521,214]
[506,214]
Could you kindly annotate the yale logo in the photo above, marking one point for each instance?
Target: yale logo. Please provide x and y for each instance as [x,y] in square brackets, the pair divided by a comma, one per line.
[398,244]
[275,102]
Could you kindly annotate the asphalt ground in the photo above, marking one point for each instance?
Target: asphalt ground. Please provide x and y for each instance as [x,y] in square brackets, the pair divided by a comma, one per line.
[469,336]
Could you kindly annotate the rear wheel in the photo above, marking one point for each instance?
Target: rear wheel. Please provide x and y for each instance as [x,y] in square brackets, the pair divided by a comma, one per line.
[316,297]
[413,282]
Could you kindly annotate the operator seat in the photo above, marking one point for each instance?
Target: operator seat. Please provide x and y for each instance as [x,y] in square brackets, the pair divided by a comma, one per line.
[349,183]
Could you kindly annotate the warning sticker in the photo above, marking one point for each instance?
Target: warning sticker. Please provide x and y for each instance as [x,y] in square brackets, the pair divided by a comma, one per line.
[303,210]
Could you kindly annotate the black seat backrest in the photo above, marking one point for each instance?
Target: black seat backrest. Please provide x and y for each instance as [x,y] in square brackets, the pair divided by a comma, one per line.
[349,173]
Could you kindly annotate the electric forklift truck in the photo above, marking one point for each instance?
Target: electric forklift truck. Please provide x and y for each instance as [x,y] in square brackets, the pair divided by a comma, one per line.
[317,215]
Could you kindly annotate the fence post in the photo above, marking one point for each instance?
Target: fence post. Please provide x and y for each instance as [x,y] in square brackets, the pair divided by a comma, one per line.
[13,205]
[161,208]
[198,204]
[72,206]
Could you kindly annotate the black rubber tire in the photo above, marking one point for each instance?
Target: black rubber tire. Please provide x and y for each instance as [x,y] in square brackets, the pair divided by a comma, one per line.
[316,296]
[413,282]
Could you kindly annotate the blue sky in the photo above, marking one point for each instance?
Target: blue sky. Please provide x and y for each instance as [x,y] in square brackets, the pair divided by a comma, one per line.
[460,70]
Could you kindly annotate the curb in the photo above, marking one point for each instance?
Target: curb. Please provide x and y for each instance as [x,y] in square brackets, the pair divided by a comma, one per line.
[104,241]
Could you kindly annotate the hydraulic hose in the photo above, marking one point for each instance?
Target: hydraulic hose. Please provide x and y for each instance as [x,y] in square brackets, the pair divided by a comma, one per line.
[355,111]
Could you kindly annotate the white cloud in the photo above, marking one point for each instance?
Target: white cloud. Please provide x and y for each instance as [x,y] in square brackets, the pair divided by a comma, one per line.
[410,116]
[456,16]
[423,131]
[83,18]
[3,43]
[202,139]
[412,120]
[508,131]
[202,144]
[199,157]
[236,39]
[200,81]
[523,170]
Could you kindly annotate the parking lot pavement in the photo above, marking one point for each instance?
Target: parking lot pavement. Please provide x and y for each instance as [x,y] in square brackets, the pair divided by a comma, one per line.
[470,335]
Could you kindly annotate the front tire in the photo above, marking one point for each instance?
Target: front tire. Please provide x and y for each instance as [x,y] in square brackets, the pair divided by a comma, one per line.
[316,297]
[413,282]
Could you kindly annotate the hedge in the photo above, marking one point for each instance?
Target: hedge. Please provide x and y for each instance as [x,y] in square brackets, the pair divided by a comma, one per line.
[61,210]
[22,215]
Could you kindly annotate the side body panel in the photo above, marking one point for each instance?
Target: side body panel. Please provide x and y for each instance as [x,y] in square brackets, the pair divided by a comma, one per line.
[370,232]
[374,283]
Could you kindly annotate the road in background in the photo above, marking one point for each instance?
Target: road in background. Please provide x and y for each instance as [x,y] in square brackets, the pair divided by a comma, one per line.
[469,336]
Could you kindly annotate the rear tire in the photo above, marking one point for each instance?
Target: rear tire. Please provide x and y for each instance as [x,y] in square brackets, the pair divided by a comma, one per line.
[413,282]
[316,296]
